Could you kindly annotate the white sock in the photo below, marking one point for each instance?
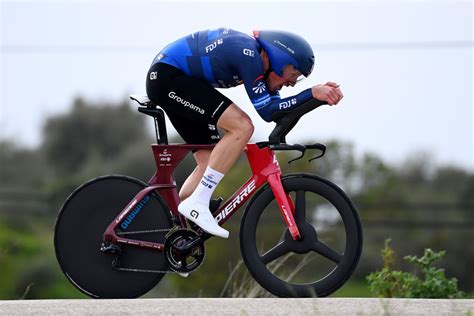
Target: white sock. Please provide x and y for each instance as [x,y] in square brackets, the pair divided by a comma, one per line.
[196,207]
[207,185]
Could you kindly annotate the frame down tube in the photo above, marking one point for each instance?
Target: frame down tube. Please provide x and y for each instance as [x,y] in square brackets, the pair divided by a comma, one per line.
[265,168]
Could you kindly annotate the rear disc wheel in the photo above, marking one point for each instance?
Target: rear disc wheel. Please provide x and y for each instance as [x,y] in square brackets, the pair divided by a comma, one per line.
[78,237]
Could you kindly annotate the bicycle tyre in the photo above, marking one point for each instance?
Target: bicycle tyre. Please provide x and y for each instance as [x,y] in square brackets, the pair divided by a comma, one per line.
[348,256]
[79,230]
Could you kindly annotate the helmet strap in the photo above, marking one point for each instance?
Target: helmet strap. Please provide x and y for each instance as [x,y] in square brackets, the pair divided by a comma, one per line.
[267,73]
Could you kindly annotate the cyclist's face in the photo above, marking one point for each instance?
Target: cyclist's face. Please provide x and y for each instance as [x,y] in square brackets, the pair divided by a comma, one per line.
[289,78]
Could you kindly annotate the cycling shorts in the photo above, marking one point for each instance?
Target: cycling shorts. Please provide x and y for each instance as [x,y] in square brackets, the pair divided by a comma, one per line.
[193,105]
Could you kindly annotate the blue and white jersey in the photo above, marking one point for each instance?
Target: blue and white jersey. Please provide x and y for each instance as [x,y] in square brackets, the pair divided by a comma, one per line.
[227,58]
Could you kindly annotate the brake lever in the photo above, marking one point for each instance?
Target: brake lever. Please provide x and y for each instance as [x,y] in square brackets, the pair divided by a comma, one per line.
[284,146]
[297,158]
[317,146]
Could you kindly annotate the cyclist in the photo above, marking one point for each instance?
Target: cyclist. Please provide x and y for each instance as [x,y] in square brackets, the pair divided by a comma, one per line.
[182,80]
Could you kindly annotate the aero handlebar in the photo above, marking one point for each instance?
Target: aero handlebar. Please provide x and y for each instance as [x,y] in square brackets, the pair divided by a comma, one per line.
[286,120]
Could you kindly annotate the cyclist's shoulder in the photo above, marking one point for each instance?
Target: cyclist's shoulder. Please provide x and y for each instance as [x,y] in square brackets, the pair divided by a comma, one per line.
[224,36]
[240,39]
[208,40]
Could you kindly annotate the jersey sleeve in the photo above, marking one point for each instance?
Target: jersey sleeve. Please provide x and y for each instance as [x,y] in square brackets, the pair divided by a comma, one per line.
[265,102]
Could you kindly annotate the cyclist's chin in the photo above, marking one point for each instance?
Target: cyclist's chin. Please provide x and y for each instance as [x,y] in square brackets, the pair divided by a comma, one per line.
[274,88]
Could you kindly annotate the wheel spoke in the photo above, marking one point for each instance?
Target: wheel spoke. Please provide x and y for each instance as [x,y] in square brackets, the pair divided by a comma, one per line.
[327,252]
[300,207]
[275,253]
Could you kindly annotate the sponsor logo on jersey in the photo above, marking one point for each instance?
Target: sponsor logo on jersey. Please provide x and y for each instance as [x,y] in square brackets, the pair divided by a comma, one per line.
[153,75]
[210,48]
[287,104]
[248,52]
[260,88]
[174,96]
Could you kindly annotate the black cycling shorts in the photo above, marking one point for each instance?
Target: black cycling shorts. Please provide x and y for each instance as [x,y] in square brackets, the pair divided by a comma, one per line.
[192,105]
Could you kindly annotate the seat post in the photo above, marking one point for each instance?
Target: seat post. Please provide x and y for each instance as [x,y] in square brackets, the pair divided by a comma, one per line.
[160,127]
[160,123]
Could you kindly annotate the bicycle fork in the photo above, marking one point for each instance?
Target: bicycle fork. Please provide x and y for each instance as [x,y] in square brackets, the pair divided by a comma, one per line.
[265,167]
[285,204]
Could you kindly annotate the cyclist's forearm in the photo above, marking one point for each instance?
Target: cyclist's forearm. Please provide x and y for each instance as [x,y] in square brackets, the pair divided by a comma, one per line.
[285,104]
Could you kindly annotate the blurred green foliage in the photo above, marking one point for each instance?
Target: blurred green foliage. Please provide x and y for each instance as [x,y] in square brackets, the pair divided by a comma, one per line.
[432,283]
[417,203]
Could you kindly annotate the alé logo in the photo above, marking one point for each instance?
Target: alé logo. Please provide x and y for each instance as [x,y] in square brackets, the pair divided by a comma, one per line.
[260,88]
[248,52]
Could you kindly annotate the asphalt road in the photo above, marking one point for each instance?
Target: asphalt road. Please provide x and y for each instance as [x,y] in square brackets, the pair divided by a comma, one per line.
[229,306]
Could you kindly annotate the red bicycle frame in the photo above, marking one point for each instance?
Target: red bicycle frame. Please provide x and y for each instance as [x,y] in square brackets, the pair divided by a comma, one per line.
[264,166]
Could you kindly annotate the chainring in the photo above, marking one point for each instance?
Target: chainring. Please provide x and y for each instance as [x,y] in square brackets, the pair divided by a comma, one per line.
[179,262]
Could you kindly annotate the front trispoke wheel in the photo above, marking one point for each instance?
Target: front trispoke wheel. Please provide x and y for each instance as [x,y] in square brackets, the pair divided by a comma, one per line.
[276,252]
[327,252]
[326,255]
[300,207]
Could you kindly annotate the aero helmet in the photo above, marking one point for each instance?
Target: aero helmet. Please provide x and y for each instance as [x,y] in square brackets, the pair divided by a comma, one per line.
[285,48]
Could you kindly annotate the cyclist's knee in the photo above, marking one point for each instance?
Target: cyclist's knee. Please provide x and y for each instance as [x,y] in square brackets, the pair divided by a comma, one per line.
[202,160]
[202,157]
[242,128]
[247,127]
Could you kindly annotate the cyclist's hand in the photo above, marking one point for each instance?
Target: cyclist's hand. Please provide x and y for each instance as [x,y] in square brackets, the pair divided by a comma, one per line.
[329,92]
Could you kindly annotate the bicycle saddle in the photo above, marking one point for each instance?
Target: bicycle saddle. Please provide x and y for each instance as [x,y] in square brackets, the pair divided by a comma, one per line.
[141,99]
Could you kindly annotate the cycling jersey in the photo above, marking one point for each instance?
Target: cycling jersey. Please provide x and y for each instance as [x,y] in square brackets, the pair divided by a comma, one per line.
[227,58]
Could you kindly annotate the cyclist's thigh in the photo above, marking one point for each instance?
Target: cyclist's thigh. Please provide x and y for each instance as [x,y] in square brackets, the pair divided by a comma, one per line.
[193,131]
[234,118]
[193,105]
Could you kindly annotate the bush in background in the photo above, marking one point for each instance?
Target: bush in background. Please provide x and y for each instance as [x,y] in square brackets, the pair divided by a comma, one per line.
[394,283]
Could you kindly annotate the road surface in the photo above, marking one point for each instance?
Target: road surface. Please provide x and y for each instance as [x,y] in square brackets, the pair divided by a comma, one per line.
[229,306]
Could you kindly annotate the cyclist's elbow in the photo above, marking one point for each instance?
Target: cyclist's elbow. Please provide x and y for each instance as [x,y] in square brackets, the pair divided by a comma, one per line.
[265,114]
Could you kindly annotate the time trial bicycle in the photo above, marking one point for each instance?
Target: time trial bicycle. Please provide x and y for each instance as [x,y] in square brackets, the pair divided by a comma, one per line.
[300,235]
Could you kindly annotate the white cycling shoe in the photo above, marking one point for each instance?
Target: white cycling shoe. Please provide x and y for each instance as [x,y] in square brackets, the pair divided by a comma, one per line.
[199,214]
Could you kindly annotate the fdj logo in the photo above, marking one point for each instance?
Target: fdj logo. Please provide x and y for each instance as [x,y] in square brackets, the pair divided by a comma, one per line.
[287,104]
[134,213]
[211,47]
